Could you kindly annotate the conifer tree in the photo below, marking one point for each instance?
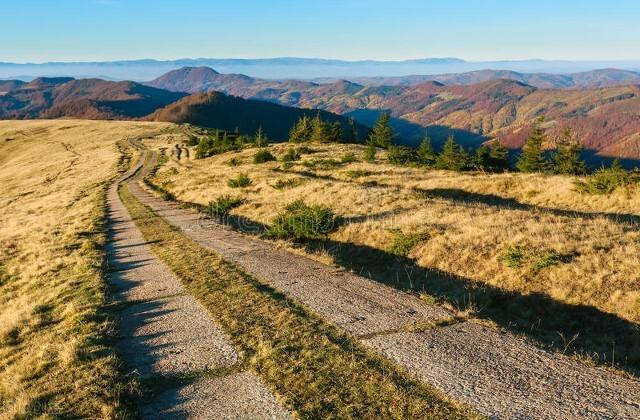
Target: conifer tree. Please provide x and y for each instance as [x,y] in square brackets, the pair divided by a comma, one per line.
[425,151]
[335,132]
[370,152]
[567,157]
[320,130]
[301,131]
[532,157]
[354,136]
[381,134]
[452,156]
[260,138]
[499,156]
[482,159]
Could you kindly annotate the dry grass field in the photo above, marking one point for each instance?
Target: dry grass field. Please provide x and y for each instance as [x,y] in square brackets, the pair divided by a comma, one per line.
[524,251]
[55,357]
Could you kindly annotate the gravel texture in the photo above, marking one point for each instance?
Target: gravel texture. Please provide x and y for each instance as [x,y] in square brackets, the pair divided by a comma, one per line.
[355,303]
[500,375]
[165,332]
[505,377]
[202,399]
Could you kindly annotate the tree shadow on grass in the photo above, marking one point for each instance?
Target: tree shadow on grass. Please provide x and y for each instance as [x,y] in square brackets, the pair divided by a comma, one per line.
[471,198]
[571,329]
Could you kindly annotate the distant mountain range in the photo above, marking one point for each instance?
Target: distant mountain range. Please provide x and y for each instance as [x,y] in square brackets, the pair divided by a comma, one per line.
[298,68]
[607,120]
[583,80]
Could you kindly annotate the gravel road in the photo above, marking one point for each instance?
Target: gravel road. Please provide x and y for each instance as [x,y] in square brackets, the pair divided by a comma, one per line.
[501,375]
[165,333]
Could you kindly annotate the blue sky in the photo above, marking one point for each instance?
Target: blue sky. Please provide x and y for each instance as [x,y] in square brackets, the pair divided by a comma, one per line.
[64,30]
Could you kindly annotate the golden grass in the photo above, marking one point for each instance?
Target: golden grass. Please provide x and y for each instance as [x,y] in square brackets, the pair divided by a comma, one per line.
[55,359]
[315,369]
[582,249]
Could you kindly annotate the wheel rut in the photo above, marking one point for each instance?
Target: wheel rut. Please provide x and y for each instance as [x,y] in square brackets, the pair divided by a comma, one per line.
[169,341]
[499,374]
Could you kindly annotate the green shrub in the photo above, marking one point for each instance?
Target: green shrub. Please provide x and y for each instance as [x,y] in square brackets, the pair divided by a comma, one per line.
[263,156]
[607,180]
[241,181]
[290,155]
[550,259]
[321,163]
[222,205]
[401,155]
[513,257]
[301,221]
[234,162]
[281,184]
[192,141]
[519,256]
[287,165]
[348,158]
[358,173]
[404,243]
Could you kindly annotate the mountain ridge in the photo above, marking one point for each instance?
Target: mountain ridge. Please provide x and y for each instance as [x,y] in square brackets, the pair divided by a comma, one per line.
[606,119]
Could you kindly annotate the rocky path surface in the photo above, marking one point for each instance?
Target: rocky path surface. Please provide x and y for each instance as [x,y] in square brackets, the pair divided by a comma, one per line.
[502,376]
[166,335]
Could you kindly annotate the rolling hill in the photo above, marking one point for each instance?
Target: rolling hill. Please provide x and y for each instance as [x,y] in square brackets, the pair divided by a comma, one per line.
[607,120]
[86,98]
[217,110]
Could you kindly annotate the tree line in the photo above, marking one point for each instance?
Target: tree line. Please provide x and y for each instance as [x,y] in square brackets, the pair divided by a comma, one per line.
[564,158]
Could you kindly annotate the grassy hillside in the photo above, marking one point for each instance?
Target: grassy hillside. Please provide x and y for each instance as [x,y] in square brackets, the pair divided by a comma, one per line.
[55,359]
[217,110]
[526,252]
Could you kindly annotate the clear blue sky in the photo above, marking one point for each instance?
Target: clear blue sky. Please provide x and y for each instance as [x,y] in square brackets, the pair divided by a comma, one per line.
[63,30]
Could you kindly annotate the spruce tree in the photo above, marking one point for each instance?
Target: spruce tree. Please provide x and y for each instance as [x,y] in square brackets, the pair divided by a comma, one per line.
[354,136]
[319,130]
[381,134]
[499,156]
[482,160]
[452,157]
[567,158]
[370,152]
[532,157]
[425,151]
[335,132]
[301,131]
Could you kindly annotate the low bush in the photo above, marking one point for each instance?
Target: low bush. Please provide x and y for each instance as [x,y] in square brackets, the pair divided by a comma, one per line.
[519,256]
[282,184]
[358,173]
[607,180]
[263,156]
[348,158]
[222,205]
[291,155]
[234,162]
[513,257]
[301,221]
[321,163]
[404,243]
[241,181]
